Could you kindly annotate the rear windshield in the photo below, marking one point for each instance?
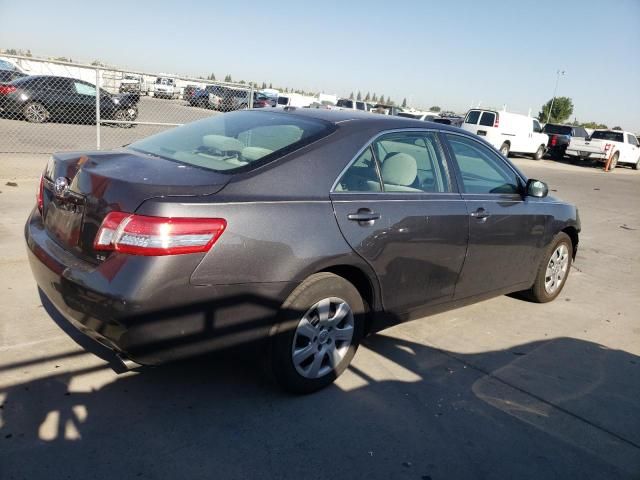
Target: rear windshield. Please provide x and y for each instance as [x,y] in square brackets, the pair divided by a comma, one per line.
[345,103]
[235,141]
[608,135]
[416,116]
[472,117]
[488,119]
[283,100]
[557,129]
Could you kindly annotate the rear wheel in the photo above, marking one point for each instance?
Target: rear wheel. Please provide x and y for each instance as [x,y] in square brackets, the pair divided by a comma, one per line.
[35,112]
[614,161]
[504,149]
[539,153]
[553,270]
[321,326]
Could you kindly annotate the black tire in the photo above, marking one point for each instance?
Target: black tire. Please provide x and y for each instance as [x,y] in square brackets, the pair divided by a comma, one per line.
[637,165]
[35,112]
[314,289]
[504,149]
[538,292]
[124,115]
[539,153]
[614,161]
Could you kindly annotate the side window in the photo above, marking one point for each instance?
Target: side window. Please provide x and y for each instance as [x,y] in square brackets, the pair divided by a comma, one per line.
[412,162]
[84,88]
[488,119]
[632,140]
[482,170]
[55,83]
[536,126]
[362,175]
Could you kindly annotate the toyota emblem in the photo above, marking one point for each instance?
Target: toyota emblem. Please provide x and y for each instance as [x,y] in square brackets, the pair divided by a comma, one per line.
[60,186]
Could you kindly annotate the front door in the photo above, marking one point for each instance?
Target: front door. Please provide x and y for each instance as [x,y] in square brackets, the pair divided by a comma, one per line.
[399,209]
[505,233]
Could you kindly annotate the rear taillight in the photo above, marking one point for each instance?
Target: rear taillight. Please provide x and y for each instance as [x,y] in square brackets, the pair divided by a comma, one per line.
[40,195]
[141,235]
[7,89]
[554,140]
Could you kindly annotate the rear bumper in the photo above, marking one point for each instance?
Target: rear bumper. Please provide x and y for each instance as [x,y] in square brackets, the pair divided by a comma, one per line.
[142,317]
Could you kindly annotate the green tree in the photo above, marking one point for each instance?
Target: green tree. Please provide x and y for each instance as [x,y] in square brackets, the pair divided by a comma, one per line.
[359,96]
[351,96]
[212,76]
[381,99]
[404,103]
[374,98]
[264,85]
[367,97]
[28,54]
[616,128]
[11,51]
[270,85]
[594,125]
[435,108]
[562,110]
[228,78]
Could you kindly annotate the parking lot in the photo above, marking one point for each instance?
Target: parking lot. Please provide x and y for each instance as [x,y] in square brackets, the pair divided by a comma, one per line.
[500,389]
[23,137]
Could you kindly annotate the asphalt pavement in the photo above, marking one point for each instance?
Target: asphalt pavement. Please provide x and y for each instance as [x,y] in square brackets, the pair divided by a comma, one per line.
[501,389]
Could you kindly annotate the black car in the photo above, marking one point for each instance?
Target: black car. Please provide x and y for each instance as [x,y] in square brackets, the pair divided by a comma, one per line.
[298,231]
[7,76]
[40,98]
[560,136]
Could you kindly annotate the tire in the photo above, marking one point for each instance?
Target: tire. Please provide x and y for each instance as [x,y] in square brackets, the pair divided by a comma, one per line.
[302,332]
[560,250]
[504,149]
[637,165]
[539,153]
[614,161]
[35,112]
[124,115]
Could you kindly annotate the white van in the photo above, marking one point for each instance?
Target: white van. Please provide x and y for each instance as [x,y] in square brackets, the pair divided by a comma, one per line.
[508,132]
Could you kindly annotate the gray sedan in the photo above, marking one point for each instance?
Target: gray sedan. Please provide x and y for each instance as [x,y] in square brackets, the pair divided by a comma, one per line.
[298,230]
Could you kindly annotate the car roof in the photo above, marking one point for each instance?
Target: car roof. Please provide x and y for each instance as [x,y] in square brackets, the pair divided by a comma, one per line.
[356,117]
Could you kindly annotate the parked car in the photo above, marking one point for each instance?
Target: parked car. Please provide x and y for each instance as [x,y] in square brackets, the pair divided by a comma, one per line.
[293,100]
[423,116]
[508,132]
[7,76]
[621,147]
[189,91]
[349,104]
[287,229]
[40,98]
[200,97]
[560,137]
[166,87]
[132,83]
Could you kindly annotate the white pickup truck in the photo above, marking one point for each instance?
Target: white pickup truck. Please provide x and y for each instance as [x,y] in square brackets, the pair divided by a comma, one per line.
[621,147]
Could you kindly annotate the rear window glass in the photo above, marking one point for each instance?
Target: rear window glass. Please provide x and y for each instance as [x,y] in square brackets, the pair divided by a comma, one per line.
[472,117]
[415,116]
[283,100]
[235,141]
[557,129]
[345,103]
[608,135]
[488,119]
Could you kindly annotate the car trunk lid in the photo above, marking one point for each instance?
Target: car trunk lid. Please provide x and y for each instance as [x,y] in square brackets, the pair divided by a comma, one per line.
[80,189]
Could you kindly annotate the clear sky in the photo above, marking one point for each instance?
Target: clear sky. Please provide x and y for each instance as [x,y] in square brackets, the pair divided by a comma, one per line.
[447,53]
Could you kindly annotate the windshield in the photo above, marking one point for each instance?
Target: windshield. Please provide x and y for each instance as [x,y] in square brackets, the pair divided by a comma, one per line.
[608,135]
[557,129]
[235,140]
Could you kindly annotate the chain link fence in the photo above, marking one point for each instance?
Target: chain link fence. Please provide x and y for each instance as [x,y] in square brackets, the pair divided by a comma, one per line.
[49,106]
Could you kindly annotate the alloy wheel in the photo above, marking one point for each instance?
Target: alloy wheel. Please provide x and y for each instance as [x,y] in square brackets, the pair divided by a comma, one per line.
[322,337]
[36,113]
[557,269]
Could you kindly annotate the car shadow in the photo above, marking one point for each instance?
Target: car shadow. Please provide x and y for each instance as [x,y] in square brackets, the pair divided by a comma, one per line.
[563,408]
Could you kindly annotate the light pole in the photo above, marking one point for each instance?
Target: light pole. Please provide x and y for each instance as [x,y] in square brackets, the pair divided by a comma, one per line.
[555,90]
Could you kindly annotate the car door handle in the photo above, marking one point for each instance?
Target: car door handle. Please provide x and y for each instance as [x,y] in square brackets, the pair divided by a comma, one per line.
[480,214]
[364,215]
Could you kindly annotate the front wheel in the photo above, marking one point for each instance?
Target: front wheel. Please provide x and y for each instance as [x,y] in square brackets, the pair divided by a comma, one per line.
[637,165]
[539,153]
[321,325]
[553,270]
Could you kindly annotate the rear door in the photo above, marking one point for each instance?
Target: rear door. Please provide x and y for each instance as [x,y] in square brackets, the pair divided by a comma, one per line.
[398,208]
[505,232]
[83,105]
[632,151]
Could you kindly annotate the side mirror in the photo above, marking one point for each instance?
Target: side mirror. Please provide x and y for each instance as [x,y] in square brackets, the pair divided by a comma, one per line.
[537,188]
